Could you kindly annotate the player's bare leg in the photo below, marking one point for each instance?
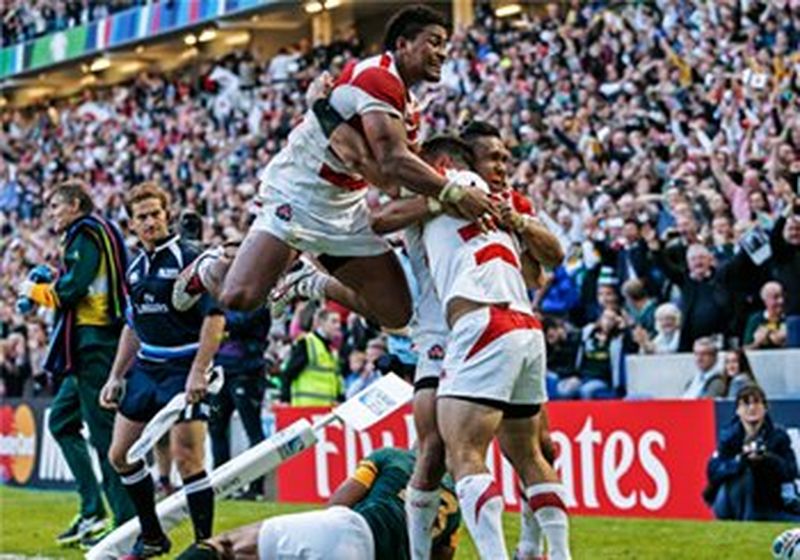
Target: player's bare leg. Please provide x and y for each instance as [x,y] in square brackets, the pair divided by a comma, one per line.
[307,280]
[187,444]
[259,263]
[239,544]
[531,539]
[377,289]
[422,492]
[467,429]
[521,441]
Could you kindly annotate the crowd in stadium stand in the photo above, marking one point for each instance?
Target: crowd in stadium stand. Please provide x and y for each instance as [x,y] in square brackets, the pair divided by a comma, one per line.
[661,141]
[23,20]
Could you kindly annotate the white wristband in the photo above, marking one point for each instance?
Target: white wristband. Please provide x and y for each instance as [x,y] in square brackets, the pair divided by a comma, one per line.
[434,206]
[451,193]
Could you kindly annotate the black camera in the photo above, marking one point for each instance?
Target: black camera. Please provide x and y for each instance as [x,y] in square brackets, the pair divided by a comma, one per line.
[191,226]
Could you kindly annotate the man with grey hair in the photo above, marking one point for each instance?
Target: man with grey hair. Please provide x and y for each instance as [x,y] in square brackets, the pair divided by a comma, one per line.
[767,328]
[708,382]
[706,302]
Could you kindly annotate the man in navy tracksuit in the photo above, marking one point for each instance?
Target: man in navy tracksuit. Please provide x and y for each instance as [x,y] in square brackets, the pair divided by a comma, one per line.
[241,355]
[161,353]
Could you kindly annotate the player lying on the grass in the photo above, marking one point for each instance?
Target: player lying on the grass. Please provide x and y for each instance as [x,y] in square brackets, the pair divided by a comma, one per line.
[161,353]
[312,202]
[365,520]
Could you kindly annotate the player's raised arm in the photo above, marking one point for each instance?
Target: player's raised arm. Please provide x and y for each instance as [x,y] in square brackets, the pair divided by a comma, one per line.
[398,214]
[543,246]
[386,137]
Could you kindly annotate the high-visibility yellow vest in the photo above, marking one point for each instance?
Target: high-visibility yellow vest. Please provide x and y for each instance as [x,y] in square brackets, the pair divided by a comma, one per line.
[319,384]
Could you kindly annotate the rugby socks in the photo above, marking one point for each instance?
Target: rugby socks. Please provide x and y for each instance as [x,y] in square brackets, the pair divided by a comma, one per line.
[531,543]
[546,501]
[142,492]
[422,506]
[482,510]
[200,497]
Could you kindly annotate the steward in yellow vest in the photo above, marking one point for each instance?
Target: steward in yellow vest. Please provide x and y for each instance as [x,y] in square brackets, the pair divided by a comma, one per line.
[311,374]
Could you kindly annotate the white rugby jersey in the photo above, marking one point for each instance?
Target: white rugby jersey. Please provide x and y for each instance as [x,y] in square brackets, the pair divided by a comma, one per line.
[481,267]
[373,84]
[428,313]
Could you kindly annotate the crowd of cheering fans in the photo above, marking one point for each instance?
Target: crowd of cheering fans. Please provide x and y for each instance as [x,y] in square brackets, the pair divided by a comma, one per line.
[660,141]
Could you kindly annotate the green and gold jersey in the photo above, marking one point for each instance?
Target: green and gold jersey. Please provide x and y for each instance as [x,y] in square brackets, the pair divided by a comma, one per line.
[386,473]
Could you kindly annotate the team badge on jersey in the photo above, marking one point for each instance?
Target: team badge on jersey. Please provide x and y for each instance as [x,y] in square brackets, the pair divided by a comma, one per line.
[436,352]
[284,212]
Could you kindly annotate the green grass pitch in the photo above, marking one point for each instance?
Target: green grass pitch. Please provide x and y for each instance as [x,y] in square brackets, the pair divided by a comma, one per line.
[30,519]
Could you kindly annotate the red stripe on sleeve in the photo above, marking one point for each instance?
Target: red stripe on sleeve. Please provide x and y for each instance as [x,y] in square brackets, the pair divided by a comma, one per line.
[380,84]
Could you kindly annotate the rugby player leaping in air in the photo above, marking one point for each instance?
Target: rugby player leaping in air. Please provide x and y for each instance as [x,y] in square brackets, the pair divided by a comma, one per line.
[311,202]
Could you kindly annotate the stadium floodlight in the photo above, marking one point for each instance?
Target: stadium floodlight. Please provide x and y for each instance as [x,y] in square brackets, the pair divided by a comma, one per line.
[100,64]
[366,408]
[508,10]
[207,35]
[313,7]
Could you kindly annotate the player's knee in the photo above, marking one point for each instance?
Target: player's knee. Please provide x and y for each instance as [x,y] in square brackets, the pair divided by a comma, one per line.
[398,315]
[188,460]
[462,460]
[239,298]
[118,460]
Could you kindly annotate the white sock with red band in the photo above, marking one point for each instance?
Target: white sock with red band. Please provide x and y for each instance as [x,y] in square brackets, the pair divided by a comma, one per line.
[531,538]
[482,509]
[547,504]
[422,507]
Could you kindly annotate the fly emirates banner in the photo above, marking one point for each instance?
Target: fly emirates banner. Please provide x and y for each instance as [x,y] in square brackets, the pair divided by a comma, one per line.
[619,458]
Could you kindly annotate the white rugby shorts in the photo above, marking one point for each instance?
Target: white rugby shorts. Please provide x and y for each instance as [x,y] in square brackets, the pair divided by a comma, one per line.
[430,361]
[317,218]
[335,533]
[496,354]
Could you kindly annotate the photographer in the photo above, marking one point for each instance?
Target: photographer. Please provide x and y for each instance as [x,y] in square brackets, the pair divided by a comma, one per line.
[753,461]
